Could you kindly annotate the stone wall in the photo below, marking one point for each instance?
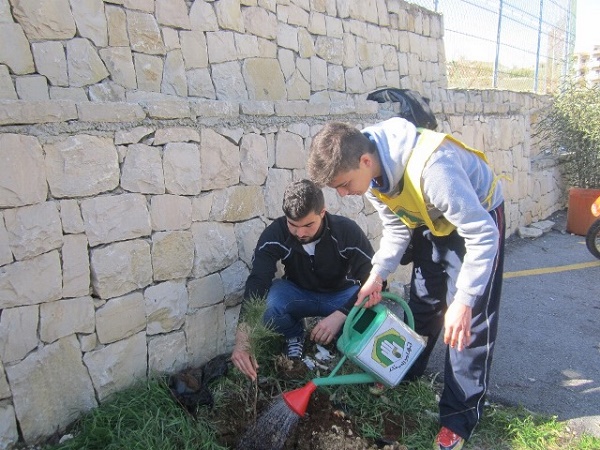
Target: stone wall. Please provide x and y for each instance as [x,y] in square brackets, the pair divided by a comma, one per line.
[145,144]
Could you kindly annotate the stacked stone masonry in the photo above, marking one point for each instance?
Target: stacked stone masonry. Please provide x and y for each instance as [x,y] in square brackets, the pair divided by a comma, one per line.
[145,144]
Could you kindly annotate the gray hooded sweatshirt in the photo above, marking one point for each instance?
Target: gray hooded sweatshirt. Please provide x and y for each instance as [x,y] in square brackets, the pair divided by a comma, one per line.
[455,183]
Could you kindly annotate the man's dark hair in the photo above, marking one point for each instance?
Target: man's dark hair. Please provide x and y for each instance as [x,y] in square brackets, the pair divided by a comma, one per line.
[301,198]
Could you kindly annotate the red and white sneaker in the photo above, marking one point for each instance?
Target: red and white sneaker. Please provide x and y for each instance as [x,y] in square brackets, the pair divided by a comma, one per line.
[448,440]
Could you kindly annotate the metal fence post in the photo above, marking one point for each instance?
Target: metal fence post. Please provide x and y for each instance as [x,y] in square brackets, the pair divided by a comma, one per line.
[497,59]
[537,52]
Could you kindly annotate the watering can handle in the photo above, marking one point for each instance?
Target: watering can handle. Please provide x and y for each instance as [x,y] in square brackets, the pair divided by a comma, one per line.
[353,315]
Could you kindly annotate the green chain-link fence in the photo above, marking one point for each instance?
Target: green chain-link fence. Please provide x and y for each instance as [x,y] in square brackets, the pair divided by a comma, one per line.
[518,45]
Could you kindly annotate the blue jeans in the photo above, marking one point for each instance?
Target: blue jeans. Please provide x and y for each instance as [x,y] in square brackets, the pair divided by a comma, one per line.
[288,304]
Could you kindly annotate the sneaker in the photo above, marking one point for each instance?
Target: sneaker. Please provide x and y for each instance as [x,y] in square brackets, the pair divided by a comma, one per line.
[294,347]
[448,440]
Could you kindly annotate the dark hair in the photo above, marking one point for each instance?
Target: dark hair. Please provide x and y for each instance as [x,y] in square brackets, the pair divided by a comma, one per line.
[335,149]
[301,198]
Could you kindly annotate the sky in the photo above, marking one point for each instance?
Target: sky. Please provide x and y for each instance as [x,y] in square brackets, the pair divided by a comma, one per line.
[588,30]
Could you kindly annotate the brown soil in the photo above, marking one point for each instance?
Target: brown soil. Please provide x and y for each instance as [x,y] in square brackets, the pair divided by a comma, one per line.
[325,426]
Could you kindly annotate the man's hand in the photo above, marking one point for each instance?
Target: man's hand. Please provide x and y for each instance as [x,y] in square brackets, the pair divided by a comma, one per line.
[372,289]
[241,357]
[327,328]
[457,323]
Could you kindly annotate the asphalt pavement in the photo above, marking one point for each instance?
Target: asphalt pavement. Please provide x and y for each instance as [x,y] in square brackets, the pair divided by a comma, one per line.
[547,355]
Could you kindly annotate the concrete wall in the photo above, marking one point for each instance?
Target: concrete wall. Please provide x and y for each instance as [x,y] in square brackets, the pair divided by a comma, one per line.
[145,144]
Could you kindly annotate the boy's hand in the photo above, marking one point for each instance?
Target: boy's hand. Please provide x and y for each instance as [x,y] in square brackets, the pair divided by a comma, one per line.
[372,289]
[457,324]
[241,357]
[327,328]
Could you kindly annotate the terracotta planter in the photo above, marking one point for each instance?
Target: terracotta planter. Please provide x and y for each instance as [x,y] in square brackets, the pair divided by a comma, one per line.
[579,216]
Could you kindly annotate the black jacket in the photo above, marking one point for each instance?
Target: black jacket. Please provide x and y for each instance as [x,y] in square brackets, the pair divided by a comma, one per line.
[342,259]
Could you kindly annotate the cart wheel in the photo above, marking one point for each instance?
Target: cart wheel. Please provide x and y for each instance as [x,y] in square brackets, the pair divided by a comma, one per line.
[592,239]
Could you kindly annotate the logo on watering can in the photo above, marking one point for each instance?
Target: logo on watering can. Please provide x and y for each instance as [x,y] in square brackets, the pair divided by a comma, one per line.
[389,348]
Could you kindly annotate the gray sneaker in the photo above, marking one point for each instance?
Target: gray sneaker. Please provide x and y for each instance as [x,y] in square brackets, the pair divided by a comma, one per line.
[295,347]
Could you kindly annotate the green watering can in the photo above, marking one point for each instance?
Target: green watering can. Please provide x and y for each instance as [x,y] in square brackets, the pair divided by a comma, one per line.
[376,340]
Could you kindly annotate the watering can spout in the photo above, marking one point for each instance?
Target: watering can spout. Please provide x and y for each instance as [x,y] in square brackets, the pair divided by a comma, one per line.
[298,399]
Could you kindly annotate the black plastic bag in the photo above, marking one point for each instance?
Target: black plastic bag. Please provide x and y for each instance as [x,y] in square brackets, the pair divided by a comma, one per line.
[413,106]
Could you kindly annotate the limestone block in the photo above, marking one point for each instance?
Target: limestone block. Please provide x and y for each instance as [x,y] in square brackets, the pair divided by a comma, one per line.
[120,318]
[175,134]
[231,320]
[5,252]
[234,280]
[229,15]
[170,108]
[247,46]
[173,13]
[58,365]
[174,81]
[205,332]
[149,71]
[318,74]
[253,159]
[22,174]
[81,165]
[14,112]
[17,56]
[200,84]
[219,159]
[119,62]
[194,49]
[203,17]
[257,108]
[247,234]
[76,266]
[214,108]
[166,305]
[143,170]
[330,49]
[237,203]
[33,230]
[18,332]
[215,247]
[289,151]
[117,366]
[45,19]
[7,89]
[221,47]
[84,65]
[140,5]
[277,181]
[51,61]
[120,268]
[297,87]
[170,212]
[73,94]
[201,207]
[172,255]
[287,36]
[116,22]
[115,218]
[205,291]
[5,14]
[88,342]
[133,135]
[171,39]
[144,33]
[91,20]
[260,22]
[229,82]
[17,289]
[65,317]
[336,80]
[181,162]
[9,434]
[70,216]
[264,79]
[167,353]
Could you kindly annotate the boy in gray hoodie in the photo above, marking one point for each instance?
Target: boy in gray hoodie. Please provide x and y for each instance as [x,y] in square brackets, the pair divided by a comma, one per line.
[439,197]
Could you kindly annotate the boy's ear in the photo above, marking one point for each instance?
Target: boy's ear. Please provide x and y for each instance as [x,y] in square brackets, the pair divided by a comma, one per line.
[366,160]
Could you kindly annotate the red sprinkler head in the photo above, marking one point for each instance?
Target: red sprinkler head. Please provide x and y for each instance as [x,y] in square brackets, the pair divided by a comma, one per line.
[298,399]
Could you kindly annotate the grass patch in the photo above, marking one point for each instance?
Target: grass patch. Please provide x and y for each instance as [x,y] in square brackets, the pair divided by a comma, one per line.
[147,416]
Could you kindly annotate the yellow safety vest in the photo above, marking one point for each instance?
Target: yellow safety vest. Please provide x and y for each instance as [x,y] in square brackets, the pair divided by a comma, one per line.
[409,204]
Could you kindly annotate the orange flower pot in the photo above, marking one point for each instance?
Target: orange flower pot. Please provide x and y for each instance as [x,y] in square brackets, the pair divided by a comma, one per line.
[579,214]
